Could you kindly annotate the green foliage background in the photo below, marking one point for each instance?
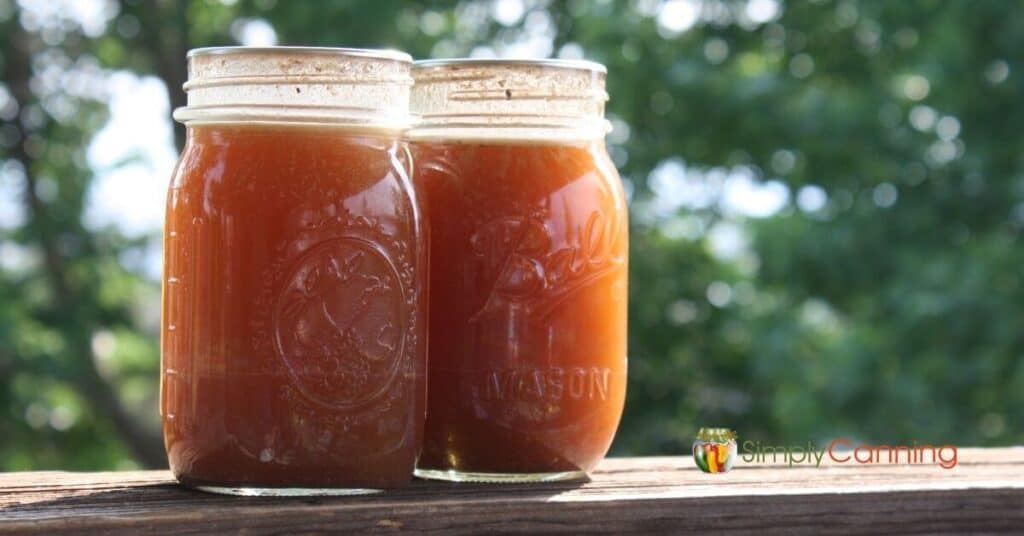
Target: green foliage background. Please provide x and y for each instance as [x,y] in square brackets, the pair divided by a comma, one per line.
[892,312]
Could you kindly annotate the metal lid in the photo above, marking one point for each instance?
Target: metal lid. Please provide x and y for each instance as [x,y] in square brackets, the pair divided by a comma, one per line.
[582,65]
[384,54]
[314,85]
[508,99]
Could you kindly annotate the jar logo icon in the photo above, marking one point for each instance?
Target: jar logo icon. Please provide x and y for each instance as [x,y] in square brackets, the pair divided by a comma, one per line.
[714,450]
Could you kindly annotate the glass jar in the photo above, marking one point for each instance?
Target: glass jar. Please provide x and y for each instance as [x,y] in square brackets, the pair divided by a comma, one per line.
[294,312]
[529,236]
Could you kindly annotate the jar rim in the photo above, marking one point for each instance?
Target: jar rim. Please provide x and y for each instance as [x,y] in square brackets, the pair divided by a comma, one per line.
[322,85]
[580,65]
[508,98]
[384,54]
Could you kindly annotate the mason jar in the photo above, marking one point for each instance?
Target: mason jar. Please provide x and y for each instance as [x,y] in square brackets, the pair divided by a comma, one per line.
[294,306]
[528,248]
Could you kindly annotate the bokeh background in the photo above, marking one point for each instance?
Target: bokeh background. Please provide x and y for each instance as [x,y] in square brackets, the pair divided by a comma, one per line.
[827,203]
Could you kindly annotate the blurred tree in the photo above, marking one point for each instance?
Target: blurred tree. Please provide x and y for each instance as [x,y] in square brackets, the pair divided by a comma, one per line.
[66,290]
[871,289]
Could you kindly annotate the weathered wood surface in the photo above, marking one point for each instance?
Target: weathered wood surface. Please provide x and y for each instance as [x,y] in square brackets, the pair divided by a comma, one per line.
[983,493]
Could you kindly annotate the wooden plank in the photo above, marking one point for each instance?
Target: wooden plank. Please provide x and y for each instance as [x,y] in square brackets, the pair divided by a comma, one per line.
[984,492]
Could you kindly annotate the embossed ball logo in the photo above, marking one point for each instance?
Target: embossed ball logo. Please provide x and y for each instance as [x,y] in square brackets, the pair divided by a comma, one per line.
[339,322]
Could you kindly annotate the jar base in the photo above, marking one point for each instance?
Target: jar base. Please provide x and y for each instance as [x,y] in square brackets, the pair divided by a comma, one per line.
[244,491]
[452,475]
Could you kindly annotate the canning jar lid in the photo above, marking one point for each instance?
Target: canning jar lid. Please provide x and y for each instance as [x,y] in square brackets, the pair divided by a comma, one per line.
[558,63]
[320,85]
[508,99]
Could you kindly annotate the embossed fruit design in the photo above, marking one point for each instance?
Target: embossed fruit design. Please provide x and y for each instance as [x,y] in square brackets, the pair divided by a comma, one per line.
[715,449]
[338,322]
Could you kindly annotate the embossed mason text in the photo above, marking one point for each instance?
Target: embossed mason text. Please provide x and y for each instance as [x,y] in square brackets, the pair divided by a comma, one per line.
[553,383]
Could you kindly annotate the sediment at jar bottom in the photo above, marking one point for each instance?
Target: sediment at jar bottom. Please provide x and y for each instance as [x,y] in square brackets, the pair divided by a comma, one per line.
[293,341]
[281,439]
[527,367]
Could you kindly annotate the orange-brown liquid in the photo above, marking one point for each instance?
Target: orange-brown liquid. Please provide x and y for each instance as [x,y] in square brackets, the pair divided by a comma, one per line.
[294,310]
[527,358]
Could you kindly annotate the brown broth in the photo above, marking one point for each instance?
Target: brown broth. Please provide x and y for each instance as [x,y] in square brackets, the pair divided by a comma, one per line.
[527,357]
[293,316]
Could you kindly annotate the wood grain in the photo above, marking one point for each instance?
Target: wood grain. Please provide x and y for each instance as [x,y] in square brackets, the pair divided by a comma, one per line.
[983,493]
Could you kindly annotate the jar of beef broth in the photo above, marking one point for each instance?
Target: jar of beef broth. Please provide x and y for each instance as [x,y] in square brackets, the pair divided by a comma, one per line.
[528,247]
[294,306]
